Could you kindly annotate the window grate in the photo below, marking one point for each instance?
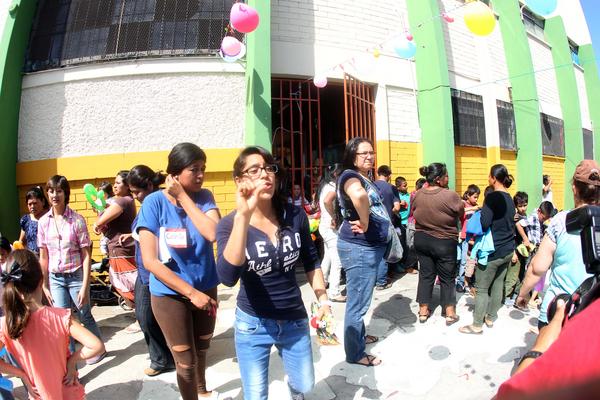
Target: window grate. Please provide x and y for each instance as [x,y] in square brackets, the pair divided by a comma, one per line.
[67,32]
[588,144]
[506,125]
[468,117]
[553,136]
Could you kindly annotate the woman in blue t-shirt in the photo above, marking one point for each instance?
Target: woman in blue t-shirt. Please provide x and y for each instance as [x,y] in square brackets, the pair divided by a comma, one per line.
[37,205]
[177,227]
[261,244]
[362,241]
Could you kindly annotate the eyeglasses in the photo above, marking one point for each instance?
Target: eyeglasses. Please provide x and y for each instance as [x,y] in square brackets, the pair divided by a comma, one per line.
[364,154]
[256,172]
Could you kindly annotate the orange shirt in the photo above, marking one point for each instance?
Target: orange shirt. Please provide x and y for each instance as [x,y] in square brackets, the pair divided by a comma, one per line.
[42,352]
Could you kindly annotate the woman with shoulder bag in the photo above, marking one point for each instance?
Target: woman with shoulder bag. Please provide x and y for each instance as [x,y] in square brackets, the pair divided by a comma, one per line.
[362,242]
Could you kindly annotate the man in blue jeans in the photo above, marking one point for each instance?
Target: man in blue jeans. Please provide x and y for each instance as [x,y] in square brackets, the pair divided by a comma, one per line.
[391,200]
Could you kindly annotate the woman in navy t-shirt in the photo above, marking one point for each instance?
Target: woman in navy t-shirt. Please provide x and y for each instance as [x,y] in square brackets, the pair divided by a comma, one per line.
[177,227]
[362,242]
[261,244]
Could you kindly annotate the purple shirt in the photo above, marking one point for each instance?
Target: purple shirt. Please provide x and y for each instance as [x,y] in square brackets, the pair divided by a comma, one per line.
[64,240]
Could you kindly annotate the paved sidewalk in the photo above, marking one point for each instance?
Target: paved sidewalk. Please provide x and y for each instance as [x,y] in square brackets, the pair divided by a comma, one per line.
[420,361]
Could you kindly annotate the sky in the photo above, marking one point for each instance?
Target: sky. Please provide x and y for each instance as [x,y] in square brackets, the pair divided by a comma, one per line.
[591,9]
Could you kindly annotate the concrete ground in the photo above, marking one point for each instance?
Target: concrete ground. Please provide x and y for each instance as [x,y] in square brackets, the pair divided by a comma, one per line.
[420,361]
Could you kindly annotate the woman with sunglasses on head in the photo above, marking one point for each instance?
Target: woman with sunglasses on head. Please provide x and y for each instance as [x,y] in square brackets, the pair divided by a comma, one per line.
[261,244]
[176,227]
[362,242]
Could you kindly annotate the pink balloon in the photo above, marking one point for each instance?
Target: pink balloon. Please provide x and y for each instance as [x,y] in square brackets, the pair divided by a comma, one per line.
[409,37]
[448,18]
[243,18]
[320,81]
[230,46]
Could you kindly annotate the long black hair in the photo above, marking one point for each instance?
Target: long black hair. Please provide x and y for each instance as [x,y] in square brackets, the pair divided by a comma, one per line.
[279,199]
[182,155]
[142,176]
[350,153]
[330,175]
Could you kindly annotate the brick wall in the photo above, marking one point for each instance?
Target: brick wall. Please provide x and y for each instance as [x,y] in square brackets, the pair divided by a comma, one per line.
[404,161]
[509,159]
[555,167]
[471,168]
[403,116]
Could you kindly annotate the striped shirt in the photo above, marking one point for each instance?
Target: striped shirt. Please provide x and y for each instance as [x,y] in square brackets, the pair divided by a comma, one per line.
[533,227]
[64,240]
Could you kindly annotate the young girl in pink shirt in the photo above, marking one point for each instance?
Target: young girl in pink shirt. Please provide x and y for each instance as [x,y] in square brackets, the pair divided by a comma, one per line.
[38,336]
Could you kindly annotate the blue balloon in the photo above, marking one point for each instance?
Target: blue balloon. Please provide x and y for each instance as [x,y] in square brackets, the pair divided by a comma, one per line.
[405,48]
[542,7]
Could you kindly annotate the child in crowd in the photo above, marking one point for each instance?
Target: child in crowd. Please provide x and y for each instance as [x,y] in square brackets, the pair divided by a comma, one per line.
[5,250]
[107,188]
[37,205]
[469,198]
[516,269]
[38,336]
[547,188]
[404,197]
[531,230]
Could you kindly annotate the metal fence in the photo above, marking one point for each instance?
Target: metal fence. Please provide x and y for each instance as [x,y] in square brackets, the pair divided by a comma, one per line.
[553,135]
[67,32]
[506,125]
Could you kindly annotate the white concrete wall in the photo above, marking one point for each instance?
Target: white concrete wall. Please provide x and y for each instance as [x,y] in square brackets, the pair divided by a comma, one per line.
[574,20]
[403,115]
[461,44]
[545,77]
[129,107]
[583,100]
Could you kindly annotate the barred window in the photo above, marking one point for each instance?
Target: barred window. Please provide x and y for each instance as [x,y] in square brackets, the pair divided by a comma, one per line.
[553,136]
[506,125]
[533,24]
[469,121]
[588,144]
[67,32]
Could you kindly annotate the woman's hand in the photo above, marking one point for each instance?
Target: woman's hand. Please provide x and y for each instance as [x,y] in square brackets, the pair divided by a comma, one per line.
[522,301]
[174,188]
[356,227]
[323,311]
[246,197]
[99,229]
[514,258]
[82,297]
[71,377]
[48,294]
[123,238]
[31,390]
[203,301]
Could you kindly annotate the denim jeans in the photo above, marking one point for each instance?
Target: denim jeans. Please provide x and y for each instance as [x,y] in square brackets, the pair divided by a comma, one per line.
[254,338]
[160,355]
[360,264]
[331,258]
[382,272]
[64,289]
[464,250]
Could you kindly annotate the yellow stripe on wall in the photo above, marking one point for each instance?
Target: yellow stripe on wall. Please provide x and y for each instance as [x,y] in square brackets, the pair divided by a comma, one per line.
[555,167]
[471,168]
[509,159]
[404,159]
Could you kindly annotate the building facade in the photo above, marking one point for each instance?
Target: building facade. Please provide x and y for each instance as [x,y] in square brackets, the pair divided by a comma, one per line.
[92,87]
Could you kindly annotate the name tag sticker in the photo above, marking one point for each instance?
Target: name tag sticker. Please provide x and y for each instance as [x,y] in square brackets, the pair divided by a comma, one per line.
[176,238]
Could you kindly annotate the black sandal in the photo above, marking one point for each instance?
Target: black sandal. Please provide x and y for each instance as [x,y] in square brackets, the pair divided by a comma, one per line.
[370,361]
[370,339]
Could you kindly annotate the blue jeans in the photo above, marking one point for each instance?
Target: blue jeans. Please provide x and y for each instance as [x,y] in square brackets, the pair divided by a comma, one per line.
[254,338]
[361,266]
[464,249]
[64,289]
[382,271]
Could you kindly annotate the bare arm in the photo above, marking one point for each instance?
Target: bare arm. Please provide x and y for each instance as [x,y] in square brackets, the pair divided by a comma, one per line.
[360,200]
[22,237]
[523,235]
[317,282]
[110,214]
[397,207]
[91,347]
[8,369]
[149,248]
[328,202]
[45,272]
[539,266]
[82,297]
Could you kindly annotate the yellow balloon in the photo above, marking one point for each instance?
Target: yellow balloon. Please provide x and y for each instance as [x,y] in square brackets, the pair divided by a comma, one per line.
[376,53]
[479,18]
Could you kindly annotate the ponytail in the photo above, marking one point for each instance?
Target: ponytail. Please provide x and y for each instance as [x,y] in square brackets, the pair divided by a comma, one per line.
[22,279]
[433,172]
[500,173]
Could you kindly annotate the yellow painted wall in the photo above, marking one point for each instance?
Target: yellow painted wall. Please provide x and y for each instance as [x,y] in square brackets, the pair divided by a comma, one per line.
[555,167]
[104,168]
[404,158]
[509,159]
[471,168]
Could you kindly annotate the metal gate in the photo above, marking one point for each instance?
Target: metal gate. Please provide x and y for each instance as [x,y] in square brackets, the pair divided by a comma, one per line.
[359,109]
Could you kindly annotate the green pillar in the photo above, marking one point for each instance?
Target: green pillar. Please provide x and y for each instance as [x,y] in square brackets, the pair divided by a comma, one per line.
[524,98]
[589,63]
[13,43]
[569,99]
[433,84]
[258,79]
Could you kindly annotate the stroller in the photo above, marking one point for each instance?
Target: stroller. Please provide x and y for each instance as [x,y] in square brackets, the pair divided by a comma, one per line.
[102,291]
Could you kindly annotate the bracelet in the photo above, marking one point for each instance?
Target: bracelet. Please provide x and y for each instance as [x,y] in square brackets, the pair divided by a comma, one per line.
[530,354]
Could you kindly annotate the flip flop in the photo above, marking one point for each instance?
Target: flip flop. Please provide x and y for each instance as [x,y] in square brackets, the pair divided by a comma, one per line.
[424,317]
[452,319]
[488,322]
[370,361]
[468,329]
[370,339]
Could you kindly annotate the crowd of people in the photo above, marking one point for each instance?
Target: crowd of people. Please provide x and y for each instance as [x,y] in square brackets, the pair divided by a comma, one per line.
[162,262]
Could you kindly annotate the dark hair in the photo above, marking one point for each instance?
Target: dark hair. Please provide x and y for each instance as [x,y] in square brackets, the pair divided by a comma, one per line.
[279,199]
[107,188]
[141,176]
[350,151]
[36,192]
[182,155]
[471,190]
[419,183]
[5,244]
[384,170]
[399,180]
[16,291]
[489,189]
[433,172]
[330,175]
[59,182]
[520,198]
[589,194]
[547,209]
[501,174]
[545,179]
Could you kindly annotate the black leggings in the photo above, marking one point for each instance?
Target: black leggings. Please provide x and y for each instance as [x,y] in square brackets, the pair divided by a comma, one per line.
[188,331]
[437,257]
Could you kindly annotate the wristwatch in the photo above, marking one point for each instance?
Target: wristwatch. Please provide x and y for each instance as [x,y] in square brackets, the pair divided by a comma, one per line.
[530,354]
